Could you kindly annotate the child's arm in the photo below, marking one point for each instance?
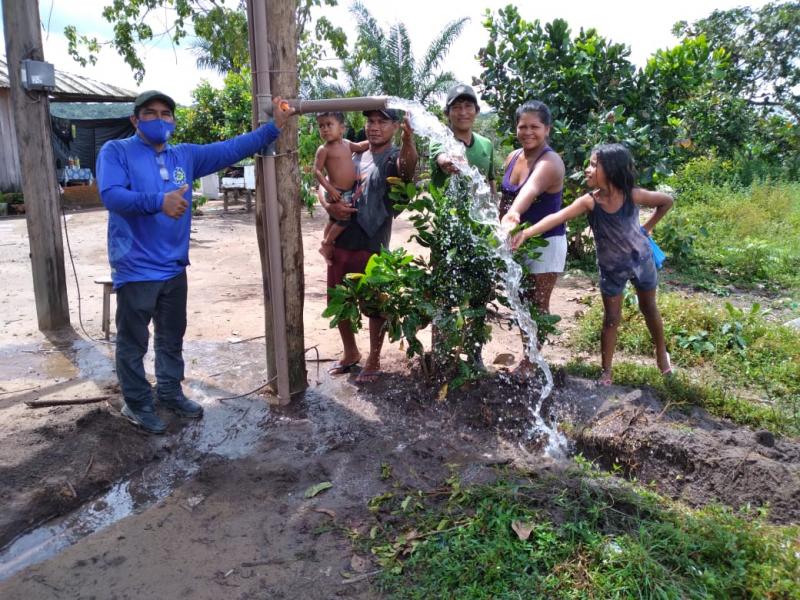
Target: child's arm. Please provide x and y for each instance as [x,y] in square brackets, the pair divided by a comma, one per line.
[659,200]
[407,159]
[358,147]
[319,165]
[580,206]
[545,175]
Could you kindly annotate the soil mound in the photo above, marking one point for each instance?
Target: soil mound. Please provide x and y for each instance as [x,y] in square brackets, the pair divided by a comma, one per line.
[694,457]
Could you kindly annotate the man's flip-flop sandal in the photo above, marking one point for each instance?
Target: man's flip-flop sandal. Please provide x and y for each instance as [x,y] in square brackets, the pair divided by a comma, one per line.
[368,377]
[341,369]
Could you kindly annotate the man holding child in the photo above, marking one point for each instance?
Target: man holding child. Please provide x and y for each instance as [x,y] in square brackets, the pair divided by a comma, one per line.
[370,225]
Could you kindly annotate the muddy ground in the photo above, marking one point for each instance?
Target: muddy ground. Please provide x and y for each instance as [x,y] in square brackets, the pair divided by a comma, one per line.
[216,509]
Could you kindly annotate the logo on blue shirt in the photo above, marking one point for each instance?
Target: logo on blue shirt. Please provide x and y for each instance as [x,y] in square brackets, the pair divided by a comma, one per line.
[179,176]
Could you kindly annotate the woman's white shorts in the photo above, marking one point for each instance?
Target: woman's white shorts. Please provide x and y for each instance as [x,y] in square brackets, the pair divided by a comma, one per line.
[553,256]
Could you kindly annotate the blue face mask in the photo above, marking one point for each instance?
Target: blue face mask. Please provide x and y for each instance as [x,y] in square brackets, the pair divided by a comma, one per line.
[157,131]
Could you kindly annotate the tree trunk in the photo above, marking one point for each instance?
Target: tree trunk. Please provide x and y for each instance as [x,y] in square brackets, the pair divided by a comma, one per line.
[281,69]
[281,31]
[31,111]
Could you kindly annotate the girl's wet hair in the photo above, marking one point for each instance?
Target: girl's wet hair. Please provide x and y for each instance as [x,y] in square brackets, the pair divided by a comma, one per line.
[618,165]
[539,108]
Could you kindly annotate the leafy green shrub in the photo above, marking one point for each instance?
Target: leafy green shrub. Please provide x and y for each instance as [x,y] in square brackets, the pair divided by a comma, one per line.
[451,290]
[197,202]
[12,197]
[308,141]
[389,287]
[693,180]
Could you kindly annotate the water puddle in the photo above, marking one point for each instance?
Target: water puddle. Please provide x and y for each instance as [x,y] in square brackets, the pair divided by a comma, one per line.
[229,429]
[484,210]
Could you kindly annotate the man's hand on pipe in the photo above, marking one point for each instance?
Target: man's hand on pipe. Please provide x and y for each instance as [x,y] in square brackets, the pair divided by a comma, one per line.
[281,111]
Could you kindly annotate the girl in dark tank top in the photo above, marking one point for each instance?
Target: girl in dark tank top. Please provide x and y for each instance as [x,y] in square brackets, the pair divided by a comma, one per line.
[623,250]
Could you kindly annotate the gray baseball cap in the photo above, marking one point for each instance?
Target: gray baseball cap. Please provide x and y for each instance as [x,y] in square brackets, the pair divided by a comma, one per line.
[151,95]
[461,90]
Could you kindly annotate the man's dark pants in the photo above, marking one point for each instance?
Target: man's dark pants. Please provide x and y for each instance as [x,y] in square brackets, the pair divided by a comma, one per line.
[163,302]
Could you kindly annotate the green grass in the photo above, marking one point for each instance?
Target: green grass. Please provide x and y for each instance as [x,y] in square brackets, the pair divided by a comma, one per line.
[591,537]
[719,234]
[741,348]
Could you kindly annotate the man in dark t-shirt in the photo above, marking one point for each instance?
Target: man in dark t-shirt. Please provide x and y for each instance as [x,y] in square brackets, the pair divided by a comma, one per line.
[371,225]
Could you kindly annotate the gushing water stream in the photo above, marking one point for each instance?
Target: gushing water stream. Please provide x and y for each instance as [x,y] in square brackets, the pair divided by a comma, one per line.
[484,210]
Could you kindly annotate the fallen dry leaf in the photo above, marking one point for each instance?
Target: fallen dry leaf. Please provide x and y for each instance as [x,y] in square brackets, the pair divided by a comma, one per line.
[522,529]
[442,393]
[326,511]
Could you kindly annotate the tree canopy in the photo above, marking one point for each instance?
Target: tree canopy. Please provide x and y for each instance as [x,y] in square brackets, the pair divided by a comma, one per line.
[220,34]
[729,88]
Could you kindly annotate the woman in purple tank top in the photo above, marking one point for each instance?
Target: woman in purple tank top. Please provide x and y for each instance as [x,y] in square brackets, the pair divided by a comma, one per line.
[623,250]
[531,190]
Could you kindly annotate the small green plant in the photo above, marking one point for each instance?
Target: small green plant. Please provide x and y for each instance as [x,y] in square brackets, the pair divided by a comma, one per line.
[697,342]
[678,237]
[733,329]
[12,198]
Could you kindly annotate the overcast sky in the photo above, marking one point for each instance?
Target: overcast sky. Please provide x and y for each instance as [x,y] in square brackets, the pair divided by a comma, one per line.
[644,26]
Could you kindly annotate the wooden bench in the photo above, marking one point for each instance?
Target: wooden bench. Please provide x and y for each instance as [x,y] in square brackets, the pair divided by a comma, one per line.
[235,192]
[108,289]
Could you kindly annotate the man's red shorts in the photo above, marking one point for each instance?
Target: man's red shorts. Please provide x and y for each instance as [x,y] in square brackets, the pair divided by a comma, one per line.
[344,262]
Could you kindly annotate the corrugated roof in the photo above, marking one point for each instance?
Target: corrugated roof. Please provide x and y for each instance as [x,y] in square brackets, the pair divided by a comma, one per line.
[87,111]
[77,88]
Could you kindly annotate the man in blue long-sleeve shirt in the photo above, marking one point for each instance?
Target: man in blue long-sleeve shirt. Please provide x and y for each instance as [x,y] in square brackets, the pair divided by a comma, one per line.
[146,185]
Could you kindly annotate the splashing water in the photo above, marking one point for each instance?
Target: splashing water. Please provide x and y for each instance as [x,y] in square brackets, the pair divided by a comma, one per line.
[484,210]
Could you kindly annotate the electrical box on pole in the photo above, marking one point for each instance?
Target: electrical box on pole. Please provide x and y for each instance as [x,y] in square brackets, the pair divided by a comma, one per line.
[37,75]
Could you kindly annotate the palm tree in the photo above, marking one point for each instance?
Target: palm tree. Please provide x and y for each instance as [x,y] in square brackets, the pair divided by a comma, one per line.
[222,43]
[391,62]
[350,81]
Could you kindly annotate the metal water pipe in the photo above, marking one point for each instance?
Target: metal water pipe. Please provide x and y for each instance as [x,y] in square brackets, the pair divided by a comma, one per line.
[357,104]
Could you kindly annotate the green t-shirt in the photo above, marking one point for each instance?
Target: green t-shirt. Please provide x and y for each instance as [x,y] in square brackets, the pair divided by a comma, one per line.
[480,153]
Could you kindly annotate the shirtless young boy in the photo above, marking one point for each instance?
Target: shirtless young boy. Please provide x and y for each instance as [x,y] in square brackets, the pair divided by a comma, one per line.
[335,171]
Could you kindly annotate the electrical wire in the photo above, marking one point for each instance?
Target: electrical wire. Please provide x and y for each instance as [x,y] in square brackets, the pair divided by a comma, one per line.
[77,285]
[258,389]
[263,385]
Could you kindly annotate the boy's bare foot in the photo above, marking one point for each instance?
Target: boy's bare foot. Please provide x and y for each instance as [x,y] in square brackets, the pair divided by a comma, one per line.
[327,252]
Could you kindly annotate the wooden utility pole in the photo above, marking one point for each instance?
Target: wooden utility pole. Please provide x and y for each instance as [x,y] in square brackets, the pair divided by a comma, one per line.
[31,110]
[273,55]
